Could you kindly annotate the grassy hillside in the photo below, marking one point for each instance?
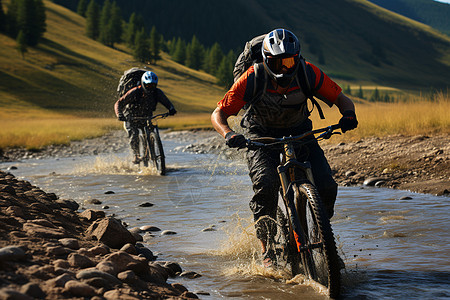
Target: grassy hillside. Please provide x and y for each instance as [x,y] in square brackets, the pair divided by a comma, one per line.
[353,40]
[69,73]
[430,12]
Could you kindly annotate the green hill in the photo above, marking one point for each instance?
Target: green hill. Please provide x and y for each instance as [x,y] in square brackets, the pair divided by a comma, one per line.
[352,40]
[430,12]
[71,74]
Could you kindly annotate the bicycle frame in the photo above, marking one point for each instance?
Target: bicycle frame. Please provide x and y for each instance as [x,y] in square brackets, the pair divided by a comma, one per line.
[292,171]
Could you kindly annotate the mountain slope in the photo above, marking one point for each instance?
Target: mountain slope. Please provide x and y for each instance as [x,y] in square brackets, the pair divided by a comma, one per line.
[352,40]
[70,73]
[430,12]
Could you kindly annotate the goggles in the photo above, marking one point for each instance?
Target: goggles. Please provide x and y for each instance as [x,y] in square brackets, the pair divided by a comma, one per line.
[277,64]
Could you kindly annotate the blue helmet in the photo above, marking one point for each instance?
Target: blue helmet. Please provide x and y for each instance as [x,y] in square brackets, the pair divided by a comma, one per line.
[149,80]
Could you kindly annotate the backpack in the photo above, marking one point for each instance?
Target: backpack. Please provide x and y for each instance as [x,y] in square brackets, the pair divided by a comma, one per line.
[129,79]
[252,55]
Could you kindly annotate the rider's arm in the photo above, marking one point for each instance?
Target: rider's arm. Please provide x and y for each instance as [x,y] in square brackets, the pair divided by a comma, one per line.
[344,103]
[219,120]
[162,98]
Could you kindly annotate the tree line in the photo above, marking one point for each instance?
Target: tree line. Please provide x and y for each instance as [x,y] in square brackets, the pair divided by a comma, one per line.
[106,25]
[24,21]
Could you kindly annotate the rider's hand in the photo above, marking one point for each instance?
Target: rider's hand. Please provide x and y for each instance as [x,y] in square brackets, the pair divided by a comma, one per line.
[235,140]
[172,111]
[121,117]
[348,121]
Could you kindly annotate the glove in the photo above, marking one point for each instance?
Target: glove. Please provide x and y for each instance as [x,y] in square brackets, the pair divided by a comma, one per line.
[122,117]
[348,121]
[235,140]
[172,111]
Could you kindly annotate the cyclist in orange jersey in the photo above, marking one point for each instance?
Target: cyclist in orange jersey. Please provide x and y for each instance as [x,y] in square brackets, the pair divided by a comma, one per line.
[279,108]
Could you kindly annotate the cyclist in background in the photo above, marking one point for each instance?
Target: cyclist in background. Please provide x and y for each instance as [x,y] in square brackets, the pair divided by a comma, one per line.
[280,110]
[140,102]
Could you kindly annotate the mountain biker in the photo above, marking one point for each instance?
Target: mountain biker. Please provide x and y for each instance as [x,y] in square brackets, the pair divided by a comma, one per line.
[140,102]
[280,110]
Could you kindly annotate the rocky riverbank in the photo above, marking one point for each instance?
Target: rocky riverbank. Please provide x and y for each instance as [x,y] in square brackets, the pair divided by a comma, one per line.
[48,250]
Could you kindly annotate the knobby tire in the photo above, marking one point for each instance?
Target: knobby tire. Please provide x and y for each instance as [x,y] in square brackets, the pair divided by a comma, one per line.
[144,148]
[157,152]
[320,261]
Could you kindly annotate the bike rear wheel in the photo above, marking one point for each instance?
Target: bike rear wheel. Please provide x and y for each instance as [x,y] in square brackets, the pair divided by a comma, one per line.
[157,153]
[144,148]
[318,253]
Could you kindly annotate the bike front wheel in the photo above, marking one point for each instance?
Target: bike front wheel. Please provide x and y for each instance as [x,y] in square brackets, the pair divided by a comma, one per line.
[318,255]
[157,152]
[144,148]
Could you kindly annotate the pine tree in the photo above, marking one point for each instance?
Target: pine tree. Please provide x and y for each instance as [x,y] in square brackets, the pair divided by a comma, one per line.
[194,54]
[154,46]
[225,70]
[213,59]
[21,44]
[105,16]
[82,7]
[31,20]
[360,93]
[93,20]
[11,18]
[375,95]
[180,51]
[172,45]
[115,25]
[2,19]
[141,47]
[348,90]
[134,24]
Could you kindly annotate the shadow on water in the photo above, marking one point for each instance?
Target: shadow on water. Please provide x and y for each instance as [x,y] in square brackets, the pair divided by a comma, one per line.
[390,284]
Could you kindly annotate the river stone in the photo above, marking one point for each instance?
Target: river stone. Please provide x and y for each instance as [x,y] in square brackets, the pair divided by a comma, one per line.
[406,198]
[174,267]
[350,173]
[168,232]
[109,192]
[123,261]
[79,261]
[59,281]
[372,181]
[33,290]
[190,274]
[147,253]
[12,253]
[93,272]
[13,295]
[111,232]
[146,204]
[79,288]
[70,204]
[70,243]
[149,228]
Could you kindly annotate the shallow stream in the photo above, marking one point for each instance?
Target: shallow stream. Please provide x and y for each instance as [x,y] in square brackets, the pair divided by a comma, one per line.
[396,244]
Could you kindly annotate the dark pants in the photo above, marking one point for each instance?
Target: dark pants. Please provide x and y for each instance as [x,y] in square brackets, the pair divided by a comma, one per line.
[262,164]
[132,128]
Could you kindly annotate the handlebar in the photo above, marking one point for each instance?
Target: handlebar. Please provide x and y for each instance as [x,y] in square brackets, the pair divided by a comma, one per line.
[159,116]
[326,133]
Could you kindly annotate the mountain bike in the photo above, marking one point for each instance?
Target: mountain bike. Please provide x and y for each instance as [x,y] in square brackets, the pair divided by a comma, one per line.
[303,237]
[150,145]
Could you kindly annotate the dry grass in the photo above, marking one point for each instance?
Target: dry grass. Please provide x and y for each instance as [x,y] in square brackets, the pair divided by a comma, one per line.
[37,133]
[416,116]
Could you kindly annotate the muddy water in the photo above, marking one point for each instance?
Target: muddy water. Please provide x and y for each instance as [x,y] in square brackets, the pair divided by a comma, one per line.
[393,247]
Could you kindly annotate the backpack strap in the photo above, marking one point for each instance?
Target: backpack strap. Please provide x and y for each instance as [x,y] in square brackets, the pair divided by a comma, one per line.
[306,87]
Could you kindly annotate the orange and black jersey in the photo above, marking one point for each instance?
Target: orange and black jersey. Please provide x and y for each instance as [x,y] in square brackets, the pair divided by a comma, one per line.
[242,90]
